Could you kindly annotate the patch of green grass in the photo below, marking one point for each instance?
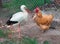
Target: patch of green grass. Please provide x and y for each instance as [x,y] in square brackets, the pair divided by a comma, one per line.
[24,40]
[2,34]
[27,40]
[46,42]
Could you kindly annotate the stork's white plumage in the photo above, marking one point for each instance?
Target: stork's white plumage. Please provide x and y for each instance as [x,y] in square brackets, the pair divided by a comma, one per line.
[19,17]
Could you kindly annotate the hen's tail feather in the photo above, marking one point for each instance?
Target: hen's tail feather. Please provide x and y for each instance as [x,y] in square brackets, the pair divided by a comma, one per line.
[52,28]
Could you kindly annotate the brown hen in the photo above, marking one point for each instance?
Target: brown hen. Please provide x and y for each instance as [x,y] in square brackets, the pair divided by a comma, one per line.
[43,21]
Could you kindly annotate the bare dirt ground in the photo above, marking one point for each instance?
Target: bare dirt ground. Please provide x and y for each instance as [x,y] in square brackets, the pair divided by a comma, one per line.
[32,30]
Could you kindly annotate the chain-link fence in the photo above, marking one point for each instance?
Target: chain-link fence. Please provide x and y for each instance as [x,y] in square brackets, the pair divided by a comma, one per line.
[31,4]
[13,6]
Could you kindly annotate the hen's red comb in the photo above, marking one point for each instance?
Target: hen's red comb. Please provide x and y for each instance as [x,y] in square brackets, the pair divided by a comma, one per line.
[37,9]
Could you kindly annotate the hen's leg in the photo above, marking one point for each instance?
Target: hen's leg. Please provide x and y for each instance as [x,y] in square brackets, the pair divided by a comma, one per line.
[44,28]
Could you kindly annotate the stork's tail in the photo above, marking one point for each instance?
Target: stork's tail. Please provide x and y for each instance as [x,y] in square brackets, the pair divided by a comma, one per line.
[4,26]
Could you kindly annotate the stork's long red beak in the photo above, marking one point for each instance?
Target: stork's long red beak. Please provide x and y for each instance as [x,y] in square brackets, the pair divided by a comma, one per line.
[27,10]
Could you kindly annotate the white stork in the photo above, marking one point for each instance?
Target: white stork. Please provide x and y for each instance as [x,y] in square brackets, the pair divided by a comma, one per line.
[19,17]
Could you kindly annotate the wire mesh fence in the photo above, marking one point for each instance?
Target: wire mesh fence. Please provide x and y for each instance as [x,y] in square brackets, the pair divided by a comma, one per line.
[13,6]
[31,4]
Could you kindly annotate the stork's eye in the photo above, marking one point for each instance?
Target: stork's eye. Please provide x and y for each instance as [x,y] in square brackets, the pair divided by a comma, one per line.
[25,7]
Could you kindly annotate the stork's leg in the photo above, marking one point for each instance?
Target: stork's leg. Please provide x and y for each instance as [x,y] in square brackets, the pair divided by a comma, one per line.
[19,31]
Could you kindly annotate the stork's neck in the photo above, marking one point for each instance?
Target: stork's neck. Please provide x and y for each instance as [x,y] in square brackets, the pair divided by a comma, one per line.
[25,12]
